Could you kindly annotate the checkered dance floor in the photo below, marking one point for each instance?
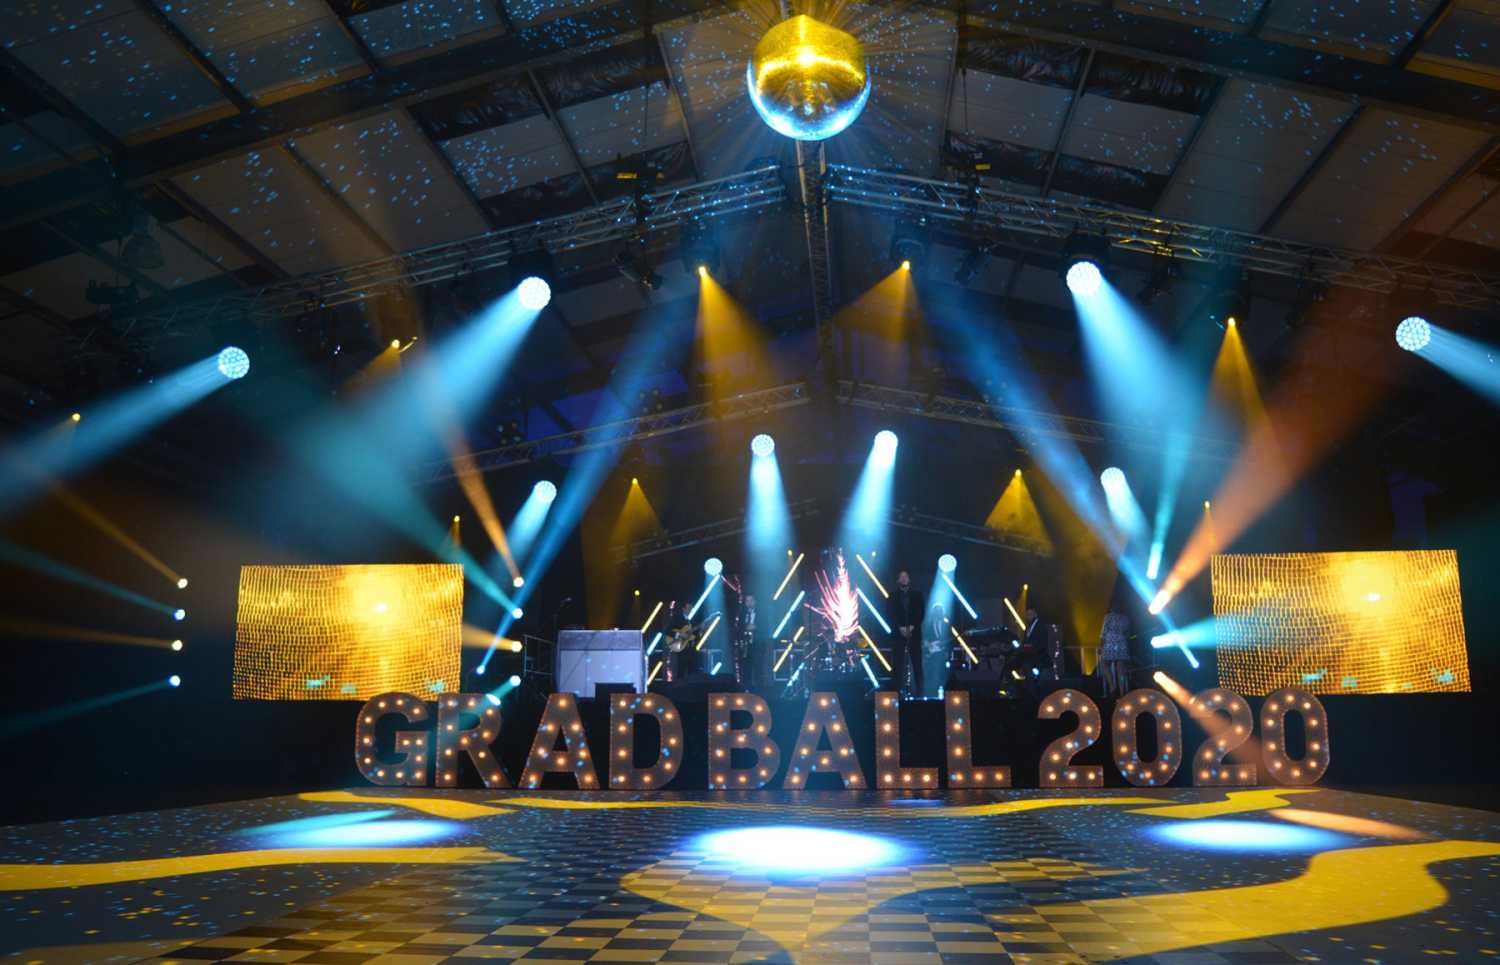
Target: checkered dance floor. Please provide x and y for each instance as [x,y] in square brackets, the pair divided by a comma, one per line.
[418,877]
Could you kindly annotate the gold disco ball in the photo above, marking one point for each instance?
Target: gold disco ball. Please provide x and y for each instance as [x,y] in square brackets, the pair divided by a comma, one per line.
[808,80]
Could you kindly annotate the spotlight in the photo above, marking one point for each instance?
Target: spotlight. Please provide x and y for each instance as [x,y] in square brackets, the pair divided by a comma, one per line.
[517,613]
[174,680]
[518,582]
[516,647]
[182,583]
[514,681]
[1083,260]
[534,293]
[176,644]
[480,670]
[947,563]
[886,440]
[1112,478]
[1413,333]
[395,343]
[762,445]
[77,417]
[713,566]
[233,363]
[908,246]
[545,490]
[179,615]
[455,519]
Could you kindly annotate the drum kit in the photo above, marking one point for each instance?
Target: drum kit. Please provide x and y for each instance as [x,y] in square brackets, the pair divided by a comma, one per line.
[819,660]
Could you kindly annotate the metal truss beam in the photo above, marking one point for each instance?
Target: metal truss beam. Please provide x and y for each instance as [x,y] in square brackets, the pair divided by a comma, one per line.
[626,431]
[704,533]
[1024,424]
[905,517]
[989,209]
[611,221]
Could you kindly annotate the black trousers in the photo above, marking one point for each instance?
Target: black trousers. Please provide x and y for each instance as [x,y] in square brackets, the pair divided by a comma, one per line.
[908,654]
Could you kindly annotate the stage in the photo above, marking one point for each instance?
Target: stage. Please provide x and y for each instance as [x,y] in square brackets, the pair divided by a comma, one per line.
[413,876]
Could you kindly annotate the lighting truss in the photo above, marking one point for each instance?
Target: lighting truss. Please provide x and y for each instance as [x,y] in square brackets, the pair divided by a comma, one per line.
[611,221]
[984,209]
[744,406]
[1024,424]
[906,517]
[704,533]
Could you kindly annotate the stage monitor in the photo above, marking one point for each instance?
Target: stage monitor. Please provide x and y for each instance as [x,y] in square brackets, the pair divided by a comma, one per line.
[347,632]
[1340,623]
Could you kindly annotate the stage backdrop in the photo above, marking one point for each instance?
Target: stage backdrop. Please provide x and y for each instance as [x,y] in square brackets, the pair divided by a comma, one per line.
[343,632]
[1340,623]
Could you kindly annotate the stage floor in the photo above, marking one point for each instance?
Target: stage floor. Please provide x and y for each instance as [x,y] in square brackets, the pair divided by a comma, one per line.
[414,876]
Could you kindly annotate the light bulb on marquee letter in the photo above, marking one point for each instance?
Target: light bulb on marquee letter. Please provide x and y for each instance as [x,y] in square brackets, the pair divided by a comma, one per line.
[1122,738]
[823,718]
[1314,762]
[623,710]
[1058,769]
[455,739]
[888,769]
[560,719]
[411,769]
[724,739]
[962,771]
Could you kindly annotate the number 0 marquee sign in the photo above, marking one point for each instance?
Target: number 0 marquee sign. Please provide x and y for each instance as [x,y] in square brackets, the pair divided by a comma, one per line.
[742,755]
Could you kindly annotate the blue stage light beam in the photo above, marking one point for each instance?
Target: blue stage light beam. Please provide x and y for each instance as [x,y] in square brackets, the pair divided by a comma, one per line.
[664,335]
[1202,635]
[768,523]
[1468,360]
[776,634]
[867,518]
[873,611]
[1123,507]
[48,567]
[1174,467]
[870,672]
[29,465]
[528,520]
[708,588]
[25,723]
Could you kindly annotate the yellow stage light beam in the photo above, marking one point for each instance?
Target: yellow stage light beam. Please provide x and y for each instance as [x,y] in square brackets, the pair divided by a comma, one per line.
[652,618]
[1015,513]
[730,347]
[1025,597]
[965,644]
[1087,567]
[605,582]
[26,628]
[471,481]
[1019,622]
[883,662]
[714,625]
[788,578]
[1234,383]
[782,659]
[105,525]
[654,671]
[480,638]
[873,578]
[891,312]
[1298,429]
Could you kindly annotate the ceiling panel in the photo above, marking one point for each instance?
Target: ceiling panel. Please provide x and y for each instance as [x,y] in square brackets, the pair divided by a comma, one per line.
[120,70]
[1469,211]
[625,123]
[263,47]
[1254,146]
[1004,109]
[61,284]
[605,299]
[390,174]
[707,61]
[1228,13]
[1136,136]
[273,204]
[1384,27]
[1387,166]
[526,12]
[511,156]
[405,27]
[20,149]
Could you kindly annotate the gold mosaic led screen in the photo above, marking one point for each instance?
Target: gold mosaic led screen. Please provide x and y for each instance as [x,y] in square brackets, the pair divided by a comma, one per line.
[1340,623]
[347,632]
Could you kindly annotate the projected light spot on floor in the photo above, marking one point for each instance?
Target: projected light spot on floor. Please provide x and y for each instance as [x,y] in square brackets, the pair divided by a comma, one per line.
[799,850]
[320,822]
[367,834]
[1247,836]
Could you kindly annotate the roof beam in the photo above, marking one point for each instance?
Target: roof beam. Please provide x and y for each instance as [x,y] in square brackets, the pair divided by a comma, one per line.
[199,60]
[507,55]
[562,134]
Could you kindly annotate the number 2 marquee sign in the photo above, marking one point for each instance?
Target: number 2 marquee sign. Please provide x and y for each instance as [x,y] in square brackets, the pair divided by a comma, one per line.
[468,724]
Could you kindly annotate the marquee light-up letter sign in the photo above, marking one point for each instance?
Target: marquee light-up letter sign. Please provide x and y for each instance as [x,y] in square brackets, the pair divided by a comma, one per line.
[742,755]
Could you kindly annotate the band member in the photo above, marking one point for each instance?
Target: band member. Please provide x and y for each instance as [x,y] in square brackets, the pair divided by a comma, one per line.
[1114,650]
[937,647]
[747,648]
[904,613]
